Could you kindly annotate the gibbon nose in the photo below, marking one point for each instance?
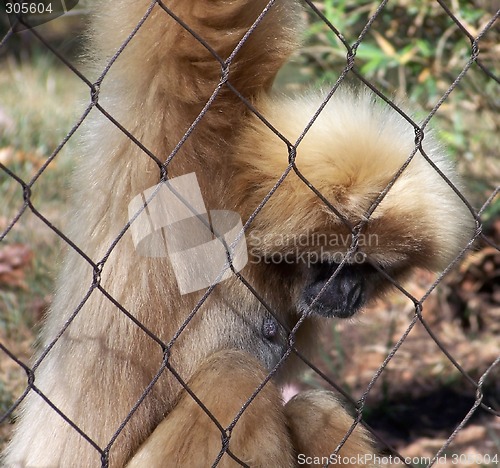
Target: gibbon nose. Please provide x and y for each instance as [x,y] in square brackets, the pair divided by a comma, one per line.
[343,296]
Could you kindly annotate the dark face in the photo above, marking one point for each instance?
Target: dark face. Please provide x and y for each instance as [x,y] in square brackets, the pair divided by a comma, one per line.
[345,294]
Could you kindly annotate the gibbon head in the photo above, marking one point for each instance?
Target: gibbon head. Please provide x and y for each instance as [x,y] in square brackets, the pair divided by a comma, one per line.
[349,155]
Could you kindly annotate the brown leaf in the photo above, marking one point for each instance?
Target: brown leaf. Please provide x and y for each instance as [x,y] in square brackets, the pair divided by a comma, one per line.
[14,259]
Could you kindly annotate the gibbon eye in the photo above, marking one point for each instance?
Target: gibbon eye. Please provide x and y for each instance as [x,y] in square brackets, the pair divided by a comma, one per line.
[346,294]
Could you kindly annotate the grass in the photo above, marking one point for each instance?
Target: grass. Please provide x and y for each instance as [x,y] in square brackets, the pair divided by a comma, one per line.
[39,100]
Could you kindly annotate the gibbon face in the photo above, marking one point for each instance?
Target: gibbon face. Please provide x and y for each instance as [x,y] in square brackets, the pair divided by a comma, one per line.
[341,295]
[331,198]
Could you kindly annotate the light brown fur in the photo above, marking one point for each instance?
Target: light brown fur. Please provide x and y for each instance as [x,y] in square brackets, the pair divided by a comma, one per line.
[199,441]
[100,366]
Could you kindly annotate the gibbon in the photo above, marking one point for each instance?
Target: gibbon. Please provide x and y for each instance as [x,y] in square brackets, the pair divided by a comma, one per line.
[96,363]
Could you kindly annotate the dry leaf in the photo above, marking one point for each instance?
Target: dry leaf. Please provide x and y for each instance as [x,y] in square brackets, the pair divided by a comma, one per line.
[14,259]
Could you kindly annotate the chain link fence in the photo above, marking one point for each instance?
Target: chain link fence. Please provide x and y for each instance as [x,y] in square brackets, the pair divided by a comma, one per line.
[483,402]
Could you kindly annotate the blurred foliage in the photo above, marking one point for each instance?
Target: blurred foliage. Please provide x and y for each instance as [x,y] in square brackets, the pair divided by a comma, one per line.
[413,46]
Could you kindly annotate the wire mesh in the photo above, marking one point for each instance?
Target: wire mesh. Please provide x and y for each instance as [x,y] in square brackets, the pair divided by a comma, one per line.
[351,70]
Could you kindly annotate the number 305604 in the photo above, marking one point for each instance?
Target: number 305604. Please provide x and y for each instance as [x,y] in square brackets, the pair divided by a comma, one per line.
[25,8]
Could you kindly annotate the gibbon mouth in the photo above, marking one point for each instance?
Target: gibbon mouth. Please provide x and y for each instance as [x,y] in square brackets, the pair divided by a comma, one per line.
[344,295]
